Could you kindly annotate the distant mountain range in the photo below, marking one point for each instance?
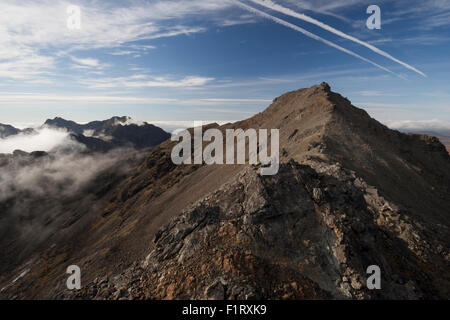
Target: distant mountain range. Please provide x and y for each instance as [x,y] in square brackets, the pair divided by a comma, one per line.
[7,130]
[102,135]
[350,193]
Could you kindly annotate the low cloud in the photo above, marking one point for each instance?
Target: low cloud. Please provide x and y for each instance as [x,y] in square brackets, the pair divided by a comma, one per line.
[176,126]
[41,195]
[424,125]
[44,139]
[58,174]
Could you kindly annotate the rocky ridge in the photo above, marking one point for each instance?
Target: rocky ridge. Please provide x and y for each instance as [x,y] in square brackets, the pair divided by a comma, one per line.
[350,193]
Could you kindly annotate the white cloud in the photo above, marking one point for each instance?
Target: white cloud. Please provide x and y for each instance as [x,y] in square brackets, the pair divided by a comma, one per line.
[271,5]
[383,105]
[32,31]
[236,100]
[128,122]
[44,139]
[214,110]
[102,25]
[27,65]
[122,53]
[46,98]
[83,99]
[311,35]
[132,49]
[375,93]
[177,126]
[86,62]
[144,81]
[63,175]
[425,125]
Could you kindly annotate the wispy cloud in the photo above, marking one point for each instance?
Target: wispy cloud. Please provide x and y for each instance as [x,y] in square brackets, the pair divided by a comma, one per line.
[28,66]
[424,40]
[374,93]
[87,63]
[311,35]
[315,6]
[97,99]
[271,5]
[425,125]
[236,100]
[383,105]
[29,43]
[214,110]
[145,81]
[46,98]
[132,49]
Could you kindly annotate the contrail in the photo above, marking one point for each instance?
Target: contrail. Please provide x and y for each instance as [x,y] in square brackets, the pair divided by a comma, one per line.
[311,35]
[269,4]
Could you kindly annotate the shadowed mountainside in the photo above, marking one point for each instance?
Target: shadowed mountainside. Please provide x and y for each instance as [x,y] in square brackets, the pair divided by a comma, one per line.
[99,136]
[443,136]
[112,133]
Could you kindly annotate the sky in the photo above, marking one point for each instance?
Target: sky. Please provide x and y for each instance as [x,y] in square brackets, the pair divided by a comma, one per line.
[183,60]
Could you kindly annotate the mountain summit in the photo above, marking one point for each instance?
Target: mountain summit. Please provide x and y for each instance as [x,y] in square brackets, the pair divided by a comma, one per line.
[350,194]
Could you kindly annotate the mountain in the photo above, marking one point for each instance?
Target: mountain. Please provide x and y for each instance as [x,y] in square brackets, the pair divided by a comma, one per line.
[101,136]
[350,193]
[112,133]
[69,125]
[96,127]
[7,130]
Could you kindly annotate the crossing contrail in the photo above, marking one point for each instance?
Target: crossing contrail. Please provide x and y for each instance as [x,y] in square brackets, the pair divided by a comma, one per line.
[311,35]
[271,5]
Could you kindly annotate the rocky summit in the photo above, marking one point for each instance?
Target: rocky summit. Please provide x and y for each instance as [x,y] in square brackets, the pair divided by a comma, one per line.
[350,193]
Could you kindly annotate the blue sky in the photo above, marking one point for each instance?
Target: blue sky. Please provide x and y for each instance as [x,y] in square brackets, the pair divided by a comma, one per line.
[218,60]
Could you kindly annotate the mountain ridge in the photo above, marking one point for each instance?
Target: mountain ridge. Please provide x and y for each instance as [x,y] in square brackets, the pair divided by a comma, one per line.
[101,136]
[223,231]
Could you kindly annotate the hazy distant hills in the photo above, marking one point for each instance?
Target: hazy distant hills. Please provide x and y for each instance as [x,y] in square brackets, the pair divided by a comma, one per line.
[112,133]
[350,193]
[101,135]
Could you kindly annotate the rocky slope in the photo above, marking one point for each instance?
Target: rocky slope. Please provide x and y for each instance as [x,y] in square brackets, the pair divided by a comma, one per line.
[350,193]
[443,136]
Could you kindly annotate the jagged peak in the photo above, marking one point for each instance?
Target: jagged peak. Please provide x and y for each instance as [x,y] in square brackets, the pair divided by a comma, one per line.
[317,100]
[324,86]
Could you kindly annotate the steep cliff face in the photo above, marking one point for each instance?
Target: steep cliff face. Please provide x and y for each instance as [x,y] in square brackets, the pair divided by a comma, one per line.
[350,193]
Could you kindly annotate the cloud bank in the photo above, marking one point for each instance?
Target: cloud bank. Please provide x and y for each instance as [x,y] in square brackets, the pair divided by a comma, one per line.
[44,139]
[425,125]
[39,196]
